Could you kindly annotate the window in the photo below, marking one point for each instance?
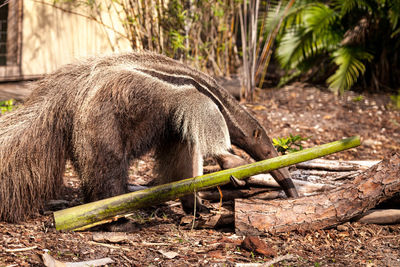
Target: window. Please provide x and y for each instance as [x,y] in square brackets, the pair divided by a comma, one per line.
[3,32]
[10,39]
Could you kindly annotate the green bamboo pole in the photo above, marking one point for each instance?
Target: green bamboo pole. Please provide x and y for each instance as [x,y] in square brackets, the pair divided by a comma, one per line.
[92,213]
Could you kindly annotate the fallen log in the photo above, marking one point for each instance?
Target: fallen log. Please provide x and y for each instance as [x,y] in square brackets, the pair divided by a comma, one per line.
[91,214]
[330,175]
[375,185]
[331,165]
[381,216]
[303,187]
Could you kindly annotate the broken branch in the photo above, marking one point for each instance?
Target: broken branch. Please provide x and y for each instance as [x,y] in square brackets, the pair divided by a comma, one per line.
[92,213]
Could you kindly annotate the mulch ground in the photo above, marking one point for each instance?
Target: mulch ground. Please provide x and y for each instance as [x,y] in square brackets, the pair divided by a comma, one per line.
[156,238]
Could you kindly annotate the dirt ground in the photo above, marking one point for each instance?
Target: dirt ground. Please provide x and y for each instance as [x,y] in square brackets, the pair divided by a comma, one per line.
[156,238]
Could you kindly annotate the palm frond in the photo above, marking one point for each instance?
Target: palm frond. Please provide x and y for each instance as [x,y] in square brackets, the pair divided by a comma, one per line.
[322,21]
[274,16]
[317,35]
[396,32]
[348,6]
[294,47]
[295,16]
[319,17]
[349,60]
[345,6]
[394,13]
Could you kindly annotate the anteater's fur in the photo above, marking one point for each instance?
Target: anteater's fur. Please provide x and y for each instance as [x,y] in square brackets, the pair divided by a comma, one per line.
[102,112]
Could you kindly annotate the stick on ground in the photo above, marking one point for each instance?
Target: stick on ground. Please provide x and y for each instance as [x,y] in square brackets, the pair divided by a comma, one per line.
[91,214]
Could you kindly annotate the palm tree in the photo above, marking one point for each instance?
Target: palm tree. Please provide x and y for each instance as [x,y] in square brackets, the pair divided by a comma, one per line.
[345,40]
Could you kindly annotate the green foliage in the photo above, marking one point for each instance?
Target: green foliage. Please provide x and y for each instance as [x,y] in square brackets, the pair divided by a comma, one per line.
[252,255]
[347,38]
[7,105]
[350,67]
[289,144]
[358,98]
[177,41]
[396,99]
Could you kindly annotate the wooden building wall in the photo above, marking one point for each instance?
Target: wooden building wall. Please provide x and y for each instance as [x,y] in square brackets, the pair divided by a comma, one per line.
[47,37]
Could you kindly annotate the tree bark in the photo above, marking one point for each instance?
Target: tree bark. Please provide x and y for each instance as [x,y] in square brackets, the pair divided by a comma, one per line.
[368,189]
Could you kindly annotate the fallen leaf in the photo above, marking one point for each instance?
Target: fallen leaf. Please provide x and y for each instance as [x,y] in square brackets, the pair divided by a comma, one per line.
[258,107]
[218,254]
[168,254]
[111,237]
[255,244]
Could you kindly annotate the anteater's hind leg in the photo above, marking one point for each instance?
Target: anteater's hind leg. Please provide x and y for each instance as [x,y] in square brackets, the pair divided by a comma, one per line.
[100,156]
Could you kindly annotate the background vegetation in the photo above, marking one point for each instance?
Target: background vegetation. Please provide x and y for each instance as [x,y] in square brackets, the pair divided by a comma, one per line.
[343,43]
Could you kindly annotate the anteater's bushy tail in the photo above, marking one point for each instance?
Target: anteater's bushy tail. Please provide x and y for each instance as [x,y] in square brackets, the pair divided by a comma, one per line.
[32,158]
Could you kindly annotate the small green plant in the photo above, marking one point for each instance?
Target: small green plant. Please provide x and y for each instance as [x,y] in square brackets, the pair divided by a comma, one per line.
[289,144]
[177,41]
[396,99]
[142,217]
[358,98]
[7,105]
[164,216]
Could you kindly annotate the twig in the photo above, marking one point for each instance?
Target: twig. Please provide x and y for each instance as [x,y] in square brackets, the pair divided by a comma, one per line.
[108,245]
[279,259]
[306,187]
[268,263]
[147,244]
[20,249]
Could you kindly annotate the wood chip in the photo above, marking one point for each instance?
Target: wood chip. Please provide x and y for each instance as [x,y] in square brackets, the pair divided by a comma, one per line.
[111,237]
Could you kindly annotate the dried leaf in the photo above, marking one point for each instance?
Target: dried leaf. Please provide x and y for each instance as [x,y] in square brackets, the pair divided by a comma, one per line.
[168,254]
[49,261]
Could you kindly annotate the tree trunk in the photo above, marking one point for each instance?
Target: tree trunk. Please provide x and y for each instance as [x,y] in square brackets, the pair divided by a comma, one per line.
[368,189]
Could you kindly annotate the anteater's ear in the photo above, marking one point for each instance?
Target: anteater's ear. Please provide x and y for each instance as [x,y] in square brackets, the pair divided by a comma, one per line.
[257,133]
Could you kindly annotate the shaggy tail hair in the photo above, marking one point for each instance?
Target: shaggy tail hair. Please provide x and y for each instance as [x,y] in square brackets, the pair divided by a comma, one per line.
[32,159]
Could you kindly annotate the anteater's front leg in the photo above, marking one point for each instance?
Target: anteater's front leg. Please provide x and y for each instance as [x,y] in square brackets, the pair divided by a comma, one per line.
[178,160]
